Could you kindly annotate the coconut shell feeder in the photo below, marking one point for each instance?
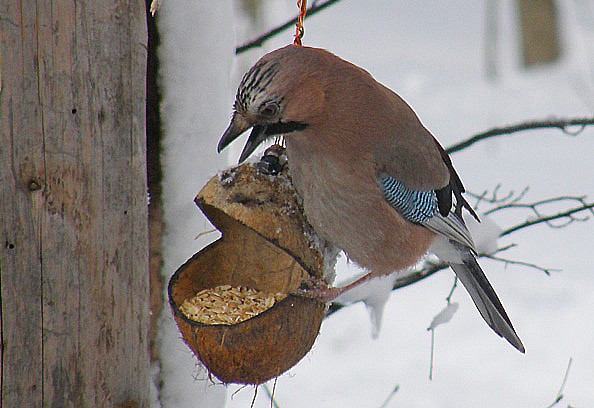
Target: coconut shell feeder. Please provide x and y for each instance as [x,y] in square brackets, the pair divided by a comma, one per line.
[265,246]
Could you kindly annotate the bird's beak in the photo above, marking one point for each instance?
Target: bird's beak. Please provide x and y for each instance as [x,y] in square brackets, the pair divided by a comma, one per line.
[237,126]
[257,136]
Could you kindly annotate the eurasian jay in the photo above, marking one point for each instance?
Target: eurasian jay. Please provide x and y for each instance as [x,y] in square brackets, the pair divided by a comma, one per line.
[374,181]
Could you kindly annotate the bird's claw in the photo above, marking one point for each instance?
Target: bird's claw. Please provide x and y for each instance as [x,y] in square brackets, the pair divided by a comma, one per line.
[318,289]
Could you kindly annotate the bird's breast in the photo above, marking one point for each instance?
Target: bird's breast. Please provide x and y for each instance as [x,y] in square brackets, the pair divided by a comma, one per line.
[345,205]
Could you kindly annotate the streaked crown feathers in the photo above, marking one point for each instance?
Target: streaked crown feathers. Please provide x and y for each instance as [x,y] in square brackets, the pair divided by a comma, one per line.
[254,85]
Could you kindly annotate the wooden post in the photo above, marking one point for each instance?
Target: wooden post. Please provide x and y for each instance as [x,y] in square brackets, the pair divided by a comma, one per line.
[73,204]
[540,31]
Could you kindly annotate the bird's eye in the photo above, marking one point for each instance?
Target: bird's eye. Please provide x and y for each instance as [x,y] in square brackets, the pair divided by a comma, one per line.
[269,109]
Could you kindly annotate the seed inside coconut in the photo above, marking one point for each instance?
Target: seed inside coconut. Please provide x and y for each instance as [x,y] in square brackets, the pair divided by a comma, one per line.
[226,304]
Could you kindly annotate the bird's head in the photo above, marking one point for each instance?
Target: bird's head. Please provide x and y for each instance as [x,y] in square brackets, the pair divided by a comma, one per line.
[278,95]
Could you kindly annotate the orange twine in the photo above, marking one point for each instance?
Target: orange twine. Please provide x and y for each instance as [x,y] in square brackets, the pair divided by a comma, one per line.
[299,31]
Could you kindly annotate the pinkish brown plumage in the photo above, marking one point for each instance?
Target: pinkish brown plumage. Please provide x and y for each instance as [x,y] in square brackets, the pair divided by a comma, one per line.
[374,181]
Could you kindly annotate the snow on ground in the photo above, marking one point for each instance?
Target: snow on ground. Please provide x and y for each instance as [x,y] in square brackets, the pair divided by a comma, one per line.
[431,53]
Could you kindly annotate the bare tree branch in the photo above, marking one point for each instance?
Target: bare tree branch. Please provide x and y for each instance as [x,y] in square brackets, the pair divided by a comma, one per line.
[522,263]
[494,197]
[390,396]
[562,124]
[258,41]
[560,395]
[514,203]
[546,219]
[535,209]
[429,268]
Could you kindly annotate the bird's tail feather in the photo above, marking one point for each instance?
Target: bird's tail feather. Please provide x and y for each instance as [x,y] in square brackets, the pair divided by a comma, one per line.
[484,297]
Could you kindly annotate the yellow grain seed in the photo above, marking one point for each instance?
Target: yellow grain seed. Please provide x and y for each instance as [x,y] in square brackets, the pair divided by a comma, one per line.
[226,304]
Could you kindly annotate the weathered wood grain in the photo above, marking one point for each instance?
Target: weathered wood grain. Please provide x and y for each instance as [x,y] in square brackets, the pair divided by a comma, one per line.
[73,205]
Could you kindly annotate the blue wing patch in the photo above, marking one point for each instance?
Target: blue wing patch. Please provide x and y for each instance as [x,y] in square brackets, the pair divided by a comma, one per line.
[416,206]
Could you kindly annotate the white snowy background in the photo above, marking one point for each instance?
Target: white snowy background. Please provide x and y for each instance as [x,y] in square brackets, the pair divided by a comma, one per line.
[432,54]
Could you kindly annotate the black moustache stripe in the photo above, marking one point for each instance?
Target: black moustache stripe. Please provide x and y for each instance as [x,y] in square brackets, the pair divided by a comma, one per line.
[284,127]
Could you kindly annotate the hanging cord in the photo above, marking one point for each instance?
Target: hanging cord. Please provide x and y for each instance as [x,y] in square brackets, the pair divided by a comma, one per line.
[299,31]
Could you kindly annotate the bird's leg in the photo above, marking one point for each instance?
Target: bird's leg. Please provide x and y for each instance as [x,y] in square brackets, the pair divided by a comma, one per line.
[317,288]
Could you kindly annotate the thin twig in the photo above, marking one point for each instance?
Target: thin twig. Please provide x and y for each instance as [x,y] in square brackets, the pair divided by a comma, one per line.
[390,396]
[258,41]
[494,198]
[515,204]
[273,403]
[449,298]
[522,263]
[562,124]
[559,395]
[433,324]
[431,354]
[547,219]
[535,208]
